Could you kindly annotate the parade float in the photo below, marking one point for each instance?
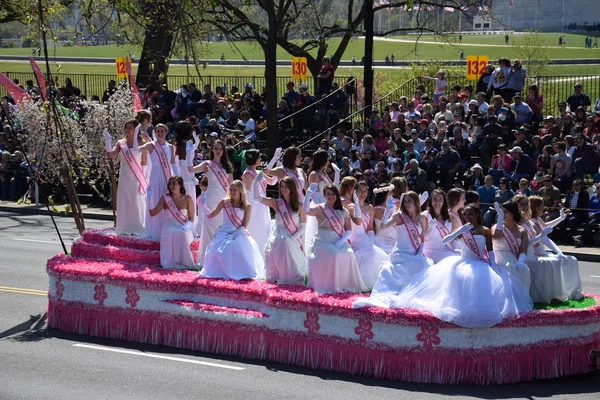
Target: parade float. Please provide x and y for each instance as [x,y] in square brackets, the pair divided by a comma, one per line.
[112,287]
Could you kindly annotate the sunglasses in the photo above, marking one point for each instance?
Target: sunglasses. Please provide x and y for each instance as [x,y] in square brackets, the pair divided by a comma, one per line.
[522,184]
[547,180]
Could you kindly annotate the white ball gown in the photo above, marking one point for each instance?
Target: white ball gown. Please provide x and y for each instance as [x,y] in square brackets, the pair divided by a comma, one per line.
[311,222]
[214,193]
[433,246]
[332,270]
[285,260]
[368,256]
[174,243]
[552,277]
[259,225]
[131,203]
[385,239]
[189,180]
[507,260]
[232,253]
[403,265]
[158,182]
[463,289]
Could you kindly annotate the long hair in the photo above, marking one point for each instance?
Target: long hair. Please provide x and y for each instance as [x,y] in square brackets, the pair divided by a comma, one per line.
[179,180]
[183,132]
[444,211]
[535,202]
[240,186]
[224,159]
[513,208]
[338,201]
[380,197]
[319,160]
[476,210]
[363,183]
[346,185]
[454,196]
[289,157]
[415,198]
[134,122]
[293,203]
[518,197]
[399,186]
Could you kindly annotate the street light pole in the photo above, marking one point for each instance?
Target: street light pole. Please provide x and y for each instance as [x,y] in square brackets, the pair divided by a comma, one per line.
[368,63]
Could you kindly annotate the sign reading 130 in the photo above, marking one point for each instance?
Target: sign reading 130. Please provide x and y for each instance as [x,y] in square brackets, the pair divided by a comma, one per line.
[476,67]
[299,68]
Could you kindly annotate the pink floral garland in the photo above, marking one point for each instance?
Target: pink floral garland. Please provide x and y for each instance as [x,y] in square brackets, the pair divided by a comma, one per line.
[107,237]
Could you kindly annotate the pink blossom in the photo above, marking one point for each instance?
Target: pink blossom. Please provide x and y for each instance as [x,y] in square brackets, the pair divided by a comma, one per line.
[100,294]
[364,330]
[429,336]
[312,322]
[131,296]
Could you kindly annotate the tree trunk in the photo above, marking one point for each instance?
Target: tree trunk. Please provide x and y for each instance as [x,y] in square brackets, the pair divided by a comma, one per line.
[270,49]
[74,200]
[158,43]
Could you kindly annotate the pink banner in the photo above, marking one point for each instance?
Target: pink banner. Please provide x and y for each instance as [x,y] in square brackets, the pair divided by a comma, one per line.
[135,93]
[40,77]
[18,95]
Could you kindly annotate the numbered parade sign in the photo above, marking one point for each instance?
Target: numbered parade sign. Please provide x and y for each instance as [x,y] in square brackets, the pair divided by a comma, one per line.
[299,68]
[476,67]
[121,67]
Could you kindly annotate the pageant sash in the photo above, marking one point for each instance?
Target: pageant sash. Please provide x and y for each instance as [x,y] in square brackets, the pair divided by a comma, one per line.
[530,232]
[163,160]
[219,173]
[334,221]
[324,177]
[296,178]
[263,184]
[441,229]
[230,212]
[365,222]
[512,241]
[469,240]
[288,221]
[176,212]
[413,232]
[455,216]
[134,166]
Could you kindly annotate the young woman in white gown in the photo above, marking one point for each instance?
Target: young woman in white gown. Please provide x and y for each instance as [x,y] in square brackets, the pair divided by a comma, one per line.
[465,289]
[285,260]
[456,201]
[438,227]
[176,235]
[290,161]
[368,256]
[332,267]
[259,226]
[219,172]
[399,187]
[385,239]
[162,164]
[554,277]
[317,175]
[510,243]
[407,259]
[347,187]
[232,253]
[184,155]
[131,192]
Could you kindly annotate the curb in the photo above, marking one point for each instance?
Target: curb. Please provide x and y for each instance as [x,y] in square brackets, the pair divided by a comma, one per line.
[585,257]
[41,211]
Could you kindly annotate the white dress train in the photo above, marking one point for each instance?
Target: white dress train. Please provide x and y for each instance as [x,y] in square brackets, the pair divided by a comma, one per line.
[214,193]
[131,204]
[232,253]
[174,243]
[285,260]
[403,265]
[332,270]
[462,289]
[368,256]
[158,183]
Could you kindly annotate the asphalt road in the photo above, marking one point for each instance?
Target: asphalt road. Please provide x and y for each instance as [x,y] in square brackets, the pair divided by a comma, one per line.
[41,363]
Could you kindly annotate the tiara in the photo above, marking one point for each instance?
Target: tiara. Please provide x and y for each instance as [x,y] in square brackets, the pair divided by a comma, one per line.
[387,188]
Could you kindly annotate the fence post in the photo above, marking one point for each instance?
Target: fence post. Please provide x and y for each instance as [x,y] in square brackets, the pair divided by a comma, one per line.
[85,86]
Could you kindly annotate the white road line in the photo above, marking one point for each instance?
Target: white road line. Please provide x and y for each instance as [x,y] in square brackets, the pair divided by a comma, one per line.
[595,276]
[40,241]
[139,353]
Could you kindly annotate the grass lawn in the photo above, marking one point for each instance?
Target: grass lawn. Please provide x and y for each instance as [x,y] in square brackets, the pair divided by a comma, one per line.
[401,46]
[582,303]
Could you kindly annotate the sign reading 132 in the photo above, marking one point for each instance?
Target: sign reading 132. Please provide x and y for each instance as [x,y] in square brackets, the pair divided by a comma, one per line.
[121,68]
[476,67]
[299,68]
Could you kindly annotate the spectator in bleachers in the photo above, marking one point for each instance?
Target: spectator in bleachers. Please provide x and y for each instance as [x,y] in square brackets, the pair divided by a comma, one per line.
[516,78]
[576,203]
[560,168]
[578,99]
[524,165]
[593,219]
[552,198]
[448,164]
[486,192]
[416,178]
[586,158]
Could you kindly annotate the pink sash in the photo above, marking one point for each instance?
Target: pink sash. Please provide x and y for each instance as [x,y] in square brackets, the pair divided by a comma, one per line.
[334,221]
[219,173]
[176,212]
[296,179]
[469,240]
[441,229]
[512,241]
[413,231]
[288,221]
[163,160]
[134,166]
[324,177]
[263,184]
[365,222]
[455,216]
[230,212]
[530,232]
